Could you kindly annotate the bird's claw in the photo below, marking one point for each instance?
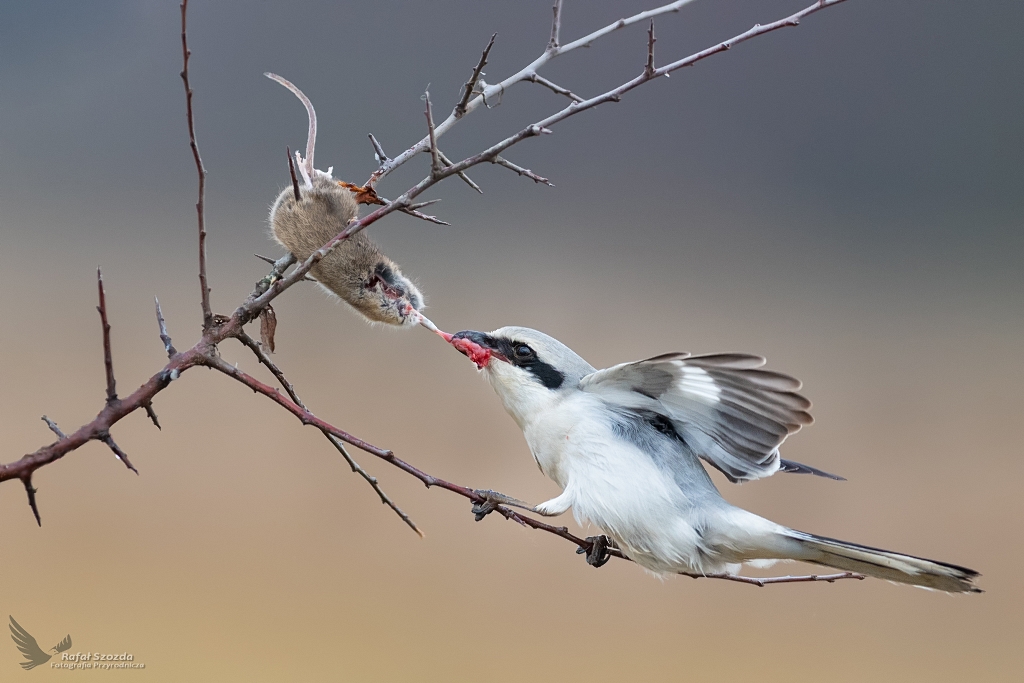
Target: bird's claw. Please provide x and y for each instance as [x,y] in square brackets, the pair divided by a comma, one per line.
[598,553]
[482,509]
[491,501]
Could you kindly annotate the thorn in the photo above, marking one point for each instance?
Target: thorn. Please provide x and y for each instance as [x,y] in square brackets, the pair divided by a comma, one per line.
[121,455]
[152,414]
[649,69]
[108,361]
[164,337]
[54,428]
[31,492]
[295,180]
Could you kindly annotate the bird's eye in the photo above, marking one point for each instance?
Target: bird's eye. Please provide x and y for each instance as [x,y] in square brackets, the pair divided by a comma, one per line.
[523,351]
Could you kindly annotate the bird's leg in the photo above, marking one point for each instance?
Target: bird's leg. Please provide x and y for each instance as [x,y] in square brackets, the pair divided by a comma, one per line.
[556,506]
[598,553]
[492,499]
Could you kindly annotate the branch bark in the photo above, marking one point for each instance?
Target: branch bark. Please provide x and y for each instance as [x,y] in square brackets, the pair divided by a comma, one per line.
[204,288]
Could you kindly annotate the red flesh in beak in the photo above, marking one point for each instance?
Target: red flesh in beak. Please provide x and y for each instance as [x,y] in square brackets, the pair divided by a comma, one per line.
[476,353]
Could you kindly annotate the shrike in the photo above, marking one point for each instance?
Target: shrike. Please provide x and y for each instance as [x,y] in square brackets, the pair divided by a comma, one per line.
[624,445]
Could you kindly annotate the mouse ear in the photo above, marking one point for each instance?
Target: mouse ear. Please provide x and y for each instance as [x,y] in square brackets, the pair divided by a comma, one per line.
[305,165]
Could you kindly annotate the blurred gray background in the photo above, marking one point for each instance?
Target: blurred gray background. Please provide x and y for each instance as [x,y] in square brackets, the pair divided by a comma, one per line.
[843,197]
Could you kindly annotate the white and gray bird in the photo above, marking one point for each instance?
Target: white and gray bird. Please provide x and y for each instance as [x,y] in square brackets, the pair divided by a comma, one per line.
[624,444]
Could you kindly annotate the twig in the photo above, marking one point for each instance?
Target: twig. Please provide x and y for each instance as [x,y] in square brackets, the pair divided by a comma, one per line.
[31,492]
[200,211]
[378,150]
[435,162]
[54,428]
[615,94]
[289,388]
[556,25]
[306,417]
[295,180]
[425,217]
[540,80]
[151,414]
[108,360]
[460,108]
[164,337]
[502,161]
[274,263]
[769,580]
[121,455]
[448,162]
[649,69]
[420,205]
[497,89]
[411,210]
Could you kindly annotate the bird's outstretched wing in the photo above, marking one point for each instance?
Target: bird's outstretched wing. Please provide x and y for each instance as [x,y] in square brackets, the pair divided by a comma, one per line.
[28,646]
[63,645]
[724,406]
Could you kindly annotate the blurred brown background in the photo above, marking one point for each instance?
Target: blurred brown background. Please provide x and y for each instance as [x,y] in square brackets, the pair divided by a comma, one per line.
[843,198]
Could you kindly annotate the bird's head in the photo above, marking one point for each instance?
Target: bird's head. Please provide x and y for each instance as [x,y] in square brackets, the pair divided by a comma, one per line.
[528,369]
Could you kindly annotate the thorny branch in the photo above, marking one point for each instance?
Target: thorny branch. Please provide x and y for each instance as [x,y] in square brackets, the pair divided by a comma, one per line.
[478,70]
[200,205]
[108,360]
[217,329]
[257,350]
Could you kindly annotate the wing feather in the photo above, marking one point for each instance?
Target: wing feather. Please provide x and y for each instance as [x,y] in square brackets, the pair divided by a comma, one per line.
[732,412]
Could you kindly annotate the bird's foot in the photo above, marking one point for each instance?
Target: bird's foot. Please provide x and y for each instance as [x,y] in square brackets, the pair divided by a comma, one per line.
[491,501]
[598,553]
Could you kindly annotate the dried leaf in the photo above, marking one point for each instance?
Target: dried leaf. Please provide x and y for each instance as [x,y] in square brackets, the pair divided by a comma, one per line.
[364,194]
[268,326]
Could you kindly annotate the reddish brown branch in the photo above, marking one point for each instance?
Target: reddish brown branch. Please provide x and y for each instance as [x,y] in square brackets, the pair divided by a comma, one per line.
[306,417]
[769,580]
[251,344]
[108,360]
[200,205]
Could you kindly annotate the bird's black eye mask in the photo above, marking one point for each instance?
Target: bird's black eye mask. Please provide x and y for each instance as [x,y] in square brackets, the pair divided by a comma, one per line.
[521,355]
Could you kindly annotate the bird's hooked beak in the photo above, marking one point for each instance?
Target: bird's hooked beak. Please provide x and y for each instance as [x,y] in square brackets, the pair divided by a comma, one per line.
[479,347]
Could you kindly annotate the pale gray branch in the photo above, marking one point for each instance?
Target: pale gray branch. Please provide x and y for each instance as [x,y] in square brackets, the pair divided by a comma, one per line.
[540,80]
[523,74]
[448,162]
[502,161]
[556,25]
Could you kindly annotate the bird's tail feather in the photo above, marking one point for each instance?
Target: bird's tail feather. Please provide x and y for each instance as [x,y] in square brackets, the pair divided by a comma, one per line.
[882,564]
